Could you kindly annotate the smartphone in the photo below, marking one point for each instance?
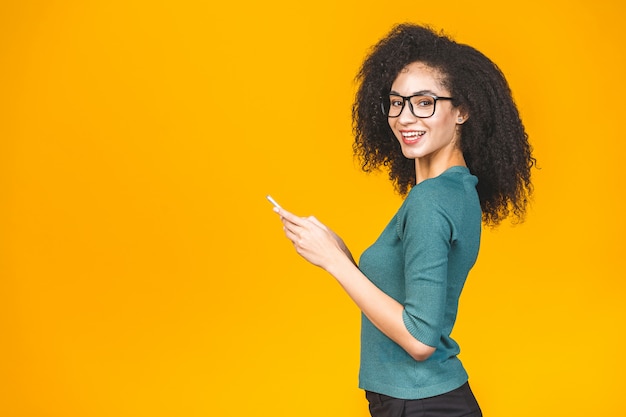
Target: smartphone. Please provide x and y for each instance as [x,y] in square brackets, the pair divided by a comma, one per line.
[271,200]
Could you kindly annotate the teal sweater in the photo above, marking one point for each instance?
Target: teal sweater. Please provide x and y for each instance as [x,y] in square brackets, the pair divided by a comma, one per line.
[422,259]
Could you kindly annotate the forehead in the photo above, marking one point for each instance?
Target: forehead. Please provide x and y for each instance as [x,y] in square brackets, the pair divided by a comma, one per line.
[418,76]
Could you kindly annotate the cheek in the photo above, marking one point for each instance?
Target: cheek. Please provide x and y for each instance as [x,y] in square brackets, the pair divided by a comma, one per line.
[446,125]
[392,125]
[394,131]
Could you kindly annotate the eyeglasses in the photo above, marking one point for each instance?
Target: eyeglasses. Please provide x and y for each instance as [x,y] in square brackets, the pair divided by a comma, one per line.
[421,105]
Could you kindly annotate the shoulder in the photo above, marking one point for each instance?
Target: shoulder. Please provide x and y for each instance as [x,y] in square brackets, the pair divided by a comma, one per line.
[440,201]
[443,190]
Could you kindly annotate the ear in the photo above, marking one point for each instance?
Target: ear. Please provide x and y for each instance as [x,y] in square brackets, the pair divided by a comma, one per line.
[462,116]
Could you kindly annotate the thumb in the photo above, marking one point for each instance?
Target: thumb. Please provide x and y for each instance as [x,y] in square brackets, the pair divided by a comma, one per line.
[316,222]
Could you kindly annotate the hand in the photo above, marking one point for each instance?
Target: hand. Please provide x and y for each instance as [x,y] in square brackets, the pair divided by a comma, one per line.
[313,240]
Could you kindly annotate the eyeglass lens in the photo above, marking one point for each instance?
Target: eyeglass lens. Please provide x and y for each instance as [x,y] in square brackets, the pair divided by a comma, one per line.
[420,106]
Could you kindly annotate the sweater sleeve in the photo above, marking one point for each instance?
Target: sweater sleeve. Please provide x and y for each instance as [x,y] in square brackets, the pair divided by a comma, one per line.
[426,234]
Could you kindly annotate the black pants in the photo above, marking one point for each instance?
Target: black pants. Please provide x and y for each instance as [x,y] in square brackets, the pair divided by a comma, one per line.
[457,403]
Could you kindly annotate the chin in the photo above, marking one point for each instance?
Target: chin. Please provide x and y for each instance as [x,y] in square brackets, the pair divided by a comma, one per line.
[409,154]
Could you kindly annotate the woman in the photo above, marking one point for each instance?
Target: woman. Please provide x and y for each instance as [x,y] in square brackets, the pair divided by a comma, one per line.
[440,117]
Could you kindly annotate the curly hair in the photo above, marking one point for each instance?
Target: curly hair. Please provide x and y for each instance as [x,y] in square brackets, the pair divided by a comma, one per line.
[493,140]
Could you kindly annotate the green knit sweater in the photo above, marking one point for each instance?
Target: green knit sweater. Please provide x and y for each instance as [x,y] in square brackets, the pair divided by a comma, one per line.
[422,259]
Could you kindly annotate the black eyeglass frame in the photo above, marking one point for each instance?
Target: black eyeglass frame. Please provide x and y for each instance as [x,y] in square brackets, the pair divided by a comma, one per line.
[408,100]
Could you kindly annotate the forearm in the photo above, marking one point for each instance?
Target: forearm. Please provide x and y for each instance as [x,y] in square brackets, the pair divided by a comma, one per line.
[382,310]
[322,247]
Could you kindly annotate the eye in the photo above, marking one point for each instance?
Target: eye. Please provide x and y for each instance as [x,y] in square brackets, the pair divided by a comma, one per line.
[423,101]
[396,101]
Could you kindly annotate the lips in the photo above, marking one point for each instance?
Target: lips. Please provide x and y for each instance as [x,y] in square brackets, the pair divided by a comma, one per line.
[412,136]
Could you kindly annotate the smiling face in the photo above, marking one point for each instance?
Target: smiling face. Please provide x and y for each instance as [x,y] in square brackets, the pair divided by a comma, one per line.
[432,141]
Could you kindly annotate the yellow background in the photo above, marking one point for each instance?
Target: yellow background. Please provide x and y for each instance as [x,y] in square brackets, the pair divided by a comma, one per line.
[142,272]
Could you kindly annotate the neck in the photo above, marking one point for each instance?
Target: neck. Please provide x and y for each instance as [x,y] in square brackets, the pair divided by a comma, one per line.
[430,167]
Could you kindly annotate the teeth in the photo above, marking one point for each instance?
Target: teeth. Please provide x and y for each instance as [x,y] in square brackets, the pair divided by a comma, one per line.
[411,134]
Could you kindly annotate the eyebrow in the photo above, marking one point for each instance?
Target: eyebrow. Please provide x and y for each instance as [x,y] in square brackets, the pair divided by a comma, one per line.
[417,93]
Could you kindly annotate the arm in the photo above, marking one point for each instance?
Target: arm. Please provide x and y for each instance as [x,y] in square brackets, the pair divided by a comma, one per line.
[320,246]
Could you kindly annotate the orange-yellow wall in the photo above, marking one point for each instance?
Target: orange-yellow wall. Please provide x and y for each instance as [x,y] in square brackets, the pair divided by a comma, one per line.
[142,272]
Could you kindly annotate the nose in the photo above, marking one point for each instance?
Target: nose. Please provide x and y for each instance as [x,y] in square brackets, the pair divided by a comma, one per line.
[406,115]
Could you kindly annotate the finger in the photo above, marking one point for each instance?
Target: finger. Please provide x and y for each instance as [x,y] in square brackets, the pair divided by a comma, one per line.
[316,222]
[294,237]
[290,229]
[291,235]
[290,217]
